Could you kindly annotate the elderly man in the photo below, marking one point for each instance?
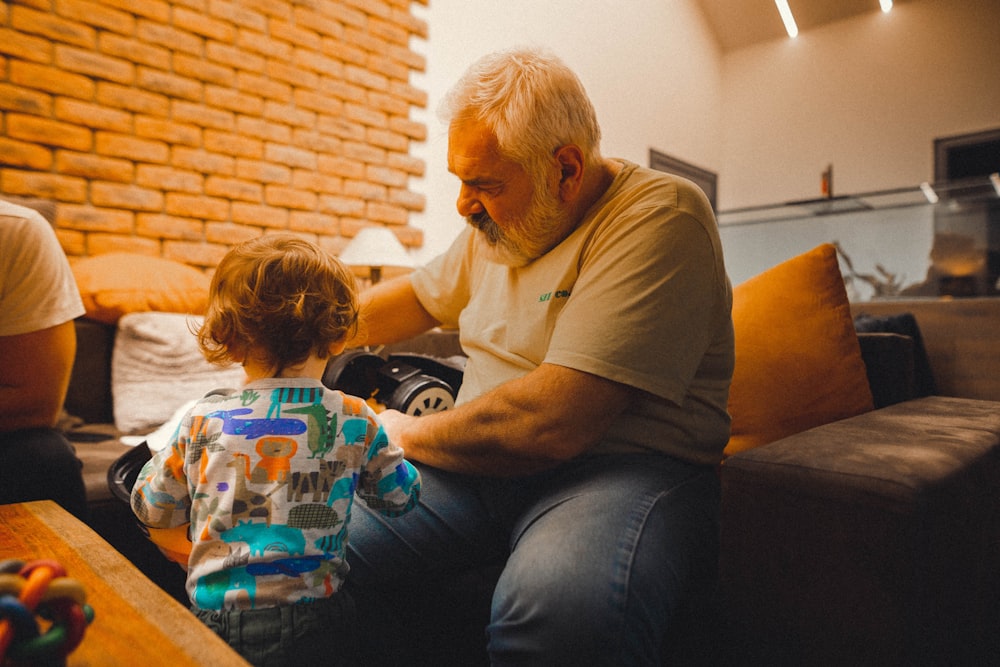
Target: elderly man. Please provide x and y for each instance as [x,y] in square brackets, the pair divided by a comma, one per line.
[593,303]
[38,302]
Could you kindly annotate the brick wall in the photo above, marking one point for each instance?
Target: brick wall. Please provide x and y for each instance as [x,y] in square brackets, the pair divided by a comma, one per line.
[178,127]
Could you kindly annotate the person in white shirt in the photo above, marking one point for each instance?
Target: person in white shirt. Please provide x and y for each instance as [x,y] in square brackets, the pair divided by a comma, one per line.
[39,300]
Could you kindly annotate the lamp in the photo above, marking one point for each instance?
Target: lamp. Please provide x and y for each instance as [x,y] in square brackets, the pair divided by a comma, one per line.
[375,248]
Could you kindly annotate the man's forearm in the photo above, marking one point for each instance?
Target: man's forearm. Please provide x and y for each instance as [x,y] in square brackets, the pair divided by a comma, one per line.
[391,312]
[489,447]
[524,426]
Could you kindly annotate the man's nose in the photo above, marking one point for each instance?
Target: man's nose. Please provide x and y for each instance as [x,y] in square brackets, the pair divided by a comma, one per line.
[467,203]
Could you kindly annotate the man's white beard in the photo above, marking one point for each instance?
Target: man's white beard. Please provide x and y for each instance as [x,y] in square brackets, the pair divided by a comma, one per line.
[505,247]
[502,252]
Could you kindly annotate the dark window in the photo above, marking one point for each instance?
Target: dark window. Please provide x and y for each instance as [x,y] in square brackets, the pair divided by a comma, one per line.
[967,156]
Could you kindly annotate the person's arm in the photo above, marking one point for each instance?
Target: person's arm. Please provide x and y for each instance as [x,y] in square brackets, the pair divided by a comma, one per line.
[160,496]
[35,370]
[389,484]
[535,422]
[391,312]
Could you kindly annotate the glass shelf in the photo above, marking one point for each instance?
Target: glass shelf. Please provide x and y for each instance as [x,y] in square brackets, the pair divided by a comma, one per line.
[964,191]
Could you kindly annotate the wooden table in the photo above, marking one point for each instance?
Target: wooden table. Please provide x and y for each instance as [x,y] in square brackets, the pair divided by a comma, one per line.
[135,622]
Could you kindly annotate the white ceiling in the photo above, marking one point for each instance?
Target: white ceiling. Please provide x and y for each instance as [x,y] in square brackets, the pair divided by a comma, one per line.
[739,23]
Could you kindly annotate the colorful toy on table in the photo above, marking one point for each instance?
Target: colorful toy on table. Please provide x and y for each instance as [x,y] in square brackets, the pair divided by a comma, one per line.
[41,588]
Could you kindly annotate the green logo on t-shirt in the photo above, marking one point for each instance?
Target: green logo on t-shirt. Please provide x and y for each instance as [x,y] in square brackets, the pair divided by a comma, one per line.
[559,294]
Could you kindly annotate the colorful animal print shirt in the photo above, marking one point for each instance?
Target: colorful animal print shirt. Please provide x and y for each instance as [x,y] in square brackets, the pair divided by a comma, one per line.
[266,477]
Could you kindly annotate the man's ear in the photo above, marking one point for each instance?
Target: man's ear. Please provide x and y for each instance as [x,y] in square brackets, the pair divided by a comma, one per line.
[338,347]
[570,159]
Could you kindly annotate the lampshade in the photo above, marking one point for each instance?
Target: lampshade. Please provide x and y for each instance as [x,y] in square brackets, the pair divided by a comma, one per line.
[374,248]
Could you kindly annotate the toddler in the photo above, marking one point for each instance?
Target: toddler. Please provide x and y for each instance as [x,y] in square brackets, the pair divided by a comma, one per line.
[266,475]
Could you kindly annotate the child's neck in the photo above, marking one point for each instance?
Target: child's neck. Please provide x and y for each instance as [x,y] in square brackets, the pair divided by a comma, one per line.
[313,368]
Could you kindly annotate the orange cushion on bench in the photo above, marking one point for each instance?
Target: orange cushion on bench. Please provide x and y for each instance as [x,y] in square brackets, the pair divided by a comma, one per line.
[114,284]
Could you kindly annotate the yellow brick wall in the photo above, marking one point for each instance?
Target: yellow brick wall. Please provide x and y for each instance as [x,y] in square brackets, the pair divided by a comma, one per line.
[176,128]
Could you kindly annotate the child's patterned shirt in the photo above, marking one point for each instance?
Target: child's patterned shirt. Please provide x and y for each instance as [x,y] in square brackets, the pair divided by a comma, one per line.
[266,477]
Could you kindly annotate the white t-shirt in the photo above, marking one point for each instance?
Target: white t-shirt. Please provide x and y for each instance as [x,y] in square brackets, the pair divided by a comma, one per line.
[638,294]
[37,288]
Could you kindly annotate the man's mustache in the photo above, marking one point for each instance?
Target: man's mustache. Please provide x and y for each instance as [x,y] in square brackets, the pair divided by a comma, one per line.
[487,225]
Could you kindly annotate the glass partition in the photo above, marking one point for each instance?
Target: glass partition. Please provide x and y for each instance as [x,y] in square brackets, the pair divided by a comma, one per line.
[925,241]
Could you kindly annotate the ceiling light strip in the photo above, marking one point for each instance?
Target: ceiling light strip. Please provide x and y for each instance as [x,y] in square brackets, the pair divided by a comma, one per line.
[787,18]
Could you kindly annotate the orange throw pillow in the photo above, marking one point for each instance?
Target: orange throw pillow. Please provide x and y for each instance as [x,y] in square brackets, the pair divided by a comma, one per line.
[798,360]
[114,284]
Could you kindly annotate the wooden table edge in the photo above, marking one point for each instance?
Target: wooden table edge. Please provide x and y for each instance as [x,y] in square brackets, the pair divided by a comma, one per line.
[199,643]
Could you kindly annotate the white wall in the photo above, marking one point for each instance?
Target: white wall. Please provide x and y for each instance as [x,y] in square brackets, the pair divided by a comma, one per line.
[651,67]
[867,95]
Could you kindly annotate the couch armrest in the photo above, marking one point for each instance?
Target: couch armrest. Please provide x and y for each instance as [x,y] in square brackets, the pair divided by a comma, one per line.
[890,364]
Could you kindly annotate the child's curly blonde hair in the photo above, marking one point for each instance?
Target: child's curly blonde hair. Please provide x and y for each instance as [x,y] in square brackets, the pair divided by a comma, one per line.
[280,298]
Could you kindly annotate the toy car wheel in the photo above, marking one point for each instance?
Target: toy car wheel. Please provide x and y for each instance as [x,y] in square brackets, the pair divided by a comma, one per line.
[422,395]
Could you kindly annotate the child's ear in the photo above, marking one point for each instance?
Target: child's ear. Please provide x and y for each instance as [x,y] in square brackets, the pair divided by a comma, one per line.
[338,347]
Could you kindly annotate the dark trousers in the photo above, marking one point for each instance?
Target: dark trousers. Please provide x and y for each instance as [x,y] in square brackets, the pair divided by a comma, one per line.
[41,464]
[322,632]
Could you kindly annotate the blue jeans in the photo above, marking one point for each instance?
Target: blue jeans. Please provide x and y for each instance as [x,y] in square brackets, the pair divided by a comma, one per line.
[597,555]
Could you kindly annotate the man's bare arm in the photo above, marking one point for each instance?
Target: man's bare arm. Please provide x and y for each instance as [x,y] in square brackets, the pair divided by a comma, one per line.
[550,415]
[34,376]
[391,312]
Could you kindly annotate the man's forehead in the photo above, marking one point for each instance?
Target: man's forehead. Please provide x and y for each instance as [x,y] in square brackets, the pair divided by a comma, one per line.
[473,151]
[472,138]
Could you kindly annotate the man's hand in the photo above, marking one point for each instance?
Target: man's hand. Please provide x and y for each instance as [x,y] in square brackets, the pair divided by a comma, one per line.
[395,424]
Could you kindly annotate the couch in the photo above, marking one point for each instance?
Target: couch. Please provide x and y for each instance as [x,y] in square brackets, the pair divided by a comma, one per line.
[871,537]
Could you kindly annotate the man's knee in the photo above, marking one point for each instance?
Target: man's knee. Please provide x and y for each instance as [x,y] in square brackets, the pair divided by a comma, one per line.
[601,577]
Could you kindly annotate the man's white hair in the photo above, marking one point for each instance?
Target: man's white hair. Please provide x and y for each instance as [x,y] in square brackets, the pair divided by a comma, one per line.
[532,101]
